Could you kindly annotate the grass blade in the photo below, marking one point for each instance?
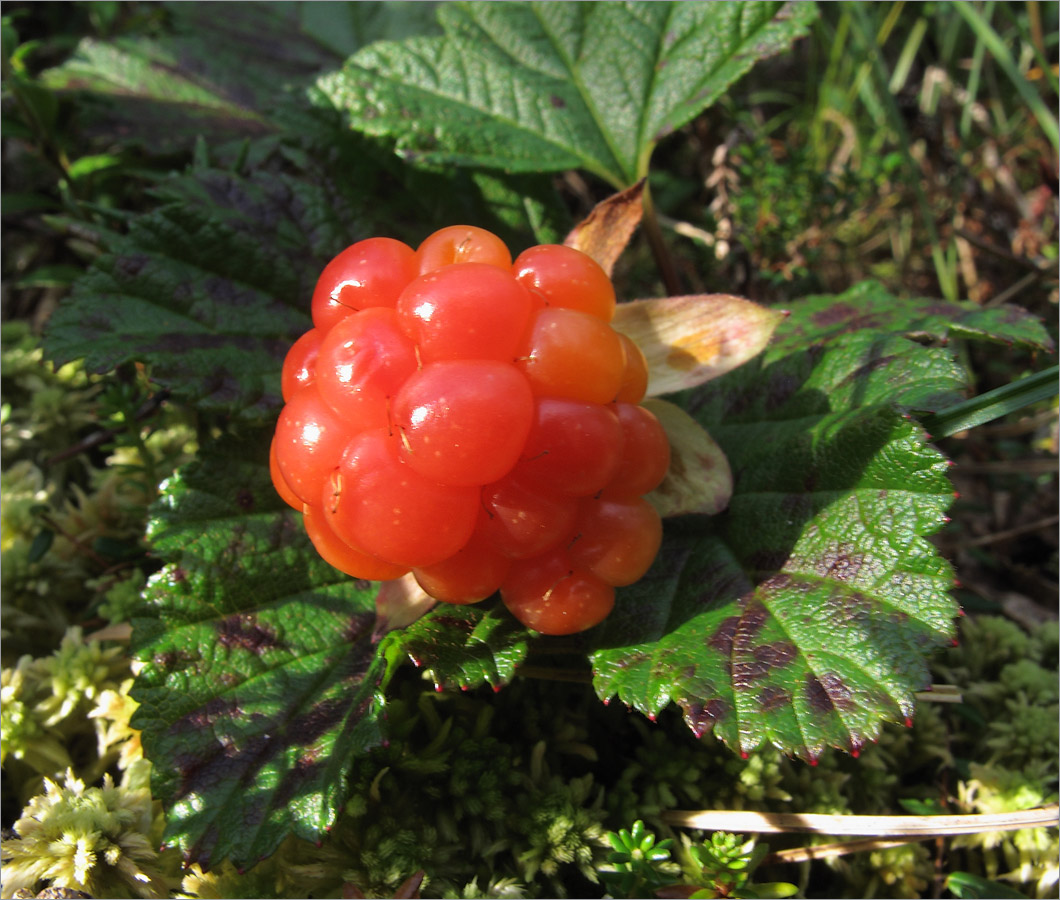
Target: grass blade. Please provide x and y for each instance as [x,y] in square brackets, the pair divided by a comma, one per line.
[993,404]
[1004,59]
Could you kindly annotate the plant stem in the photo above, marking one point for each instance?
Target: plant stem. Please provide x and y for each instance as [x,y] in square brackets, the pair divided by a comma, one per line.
[659,250]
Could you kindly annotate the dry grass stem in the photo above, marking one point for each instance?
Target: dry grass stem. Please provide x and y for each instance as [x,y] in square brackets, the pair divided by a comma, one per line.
[941,693]
[831,851]
[915,827]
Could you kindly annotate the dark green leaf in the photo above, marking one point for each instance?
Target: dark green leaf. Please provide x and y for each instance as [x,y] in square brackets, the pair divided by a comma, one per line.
[897,348]
[14,127]
[550,86]
[971,887]
[466,646]
[212,288]
[262,680]
[58,275]
[801,616]
[261,683]
[345,27]
[42,543]
[38,105]
[930,807]
[224,69]
[869,307]
[14,203]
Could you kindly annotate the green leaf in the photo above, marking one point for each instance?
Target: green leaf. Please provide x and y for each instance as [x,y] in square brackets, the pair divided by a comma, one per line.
[8,37]
[260,684]
[801,616]
[968,886]
[89,165]
[551,86]
[869,307]
[57,275]
[466,646]
[901,343]
[201,293]
[930,807]
[223,71]
[13,203]
[344,27]
[262,681]
[42,543]
[211,288]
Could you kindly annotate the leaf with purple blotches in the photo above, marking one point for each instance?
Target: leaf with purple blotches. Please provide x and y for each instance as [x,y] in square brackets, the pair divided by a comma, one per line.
[801,616]
[262,668]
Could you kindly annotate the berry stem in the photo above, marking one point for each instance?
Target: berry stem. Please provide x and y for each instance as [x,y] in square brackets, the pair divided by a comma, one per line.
[653,232]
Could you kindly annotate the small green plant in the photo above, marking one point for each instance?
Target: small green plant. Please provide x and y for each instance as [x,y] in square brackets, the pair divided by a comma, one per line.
[638,866]
[723,867]
[720,866]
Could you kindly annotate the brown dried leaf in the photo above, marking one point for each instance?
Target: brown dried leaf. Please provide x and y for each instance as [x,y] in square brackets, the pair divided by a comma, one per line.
[398,604]
[606,231]
[693,339]
[410,887]
[699,480]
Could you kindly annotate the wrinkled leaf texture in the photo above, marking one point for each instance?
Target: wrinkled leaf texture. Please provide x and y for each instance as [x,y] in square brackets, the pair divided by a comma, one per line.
[262,683]
[801,617]
[212,287]
[220,70]
[553,86]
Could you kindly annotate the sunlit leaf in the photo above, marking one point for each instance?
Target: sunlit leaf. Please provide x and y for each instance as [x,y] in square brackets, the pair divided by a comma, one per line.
[551,86]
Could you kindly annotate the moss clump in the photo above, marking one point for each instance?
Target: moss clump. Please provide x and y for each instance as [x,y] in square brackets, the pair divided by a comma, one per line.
[100,840]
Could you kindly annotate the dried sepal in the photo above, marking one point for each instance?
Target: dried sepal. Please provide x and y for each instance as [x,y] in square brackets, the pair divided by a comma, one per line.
[398,604]
[607,230]
[699,479]
[692,339]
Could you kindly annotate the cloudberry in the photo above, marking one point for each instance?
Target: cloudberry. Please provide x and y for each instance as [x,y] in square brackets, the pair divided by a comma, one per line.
[474,420]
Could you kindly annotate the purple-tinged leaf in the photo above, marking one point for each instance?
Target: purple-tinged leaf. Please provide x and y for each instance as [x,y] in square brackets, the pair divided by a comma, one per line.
[262,677]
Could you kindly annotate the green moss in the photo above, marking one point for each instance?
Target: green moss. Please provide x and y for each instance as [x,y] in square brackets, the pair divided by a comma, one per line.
[100,840]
